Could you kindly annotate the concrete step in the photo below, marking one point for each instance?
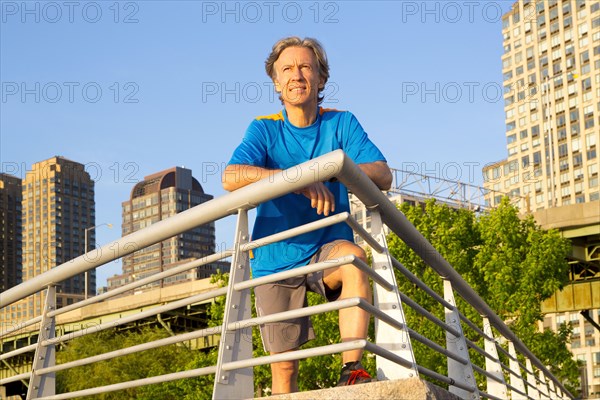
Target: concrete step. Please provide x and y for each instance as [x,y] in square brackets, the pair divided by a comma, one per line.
[402,389]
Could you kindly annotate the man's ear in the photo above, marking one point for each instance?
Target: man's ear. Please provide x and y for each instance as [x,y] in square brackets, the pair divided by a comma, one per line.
[321,83]
[277,85]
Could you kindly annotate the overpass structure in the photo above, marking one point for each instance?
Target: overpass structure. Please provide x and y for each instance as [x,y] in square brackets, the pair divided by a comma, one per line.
[581,224]
[114,311]
[509,369]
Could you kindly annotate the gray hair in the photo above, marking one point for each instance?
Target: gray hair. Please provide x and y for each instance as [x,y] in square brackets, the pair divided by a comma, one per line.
[295,41]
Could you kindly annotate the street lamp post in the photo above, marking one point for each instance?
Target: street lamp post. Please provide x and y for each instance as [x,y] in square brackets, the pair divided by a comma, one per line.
[85,236]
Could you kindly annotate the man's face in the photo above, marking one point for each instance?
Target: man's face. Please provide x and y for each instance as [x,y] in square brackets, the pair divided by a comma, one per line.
[297,76]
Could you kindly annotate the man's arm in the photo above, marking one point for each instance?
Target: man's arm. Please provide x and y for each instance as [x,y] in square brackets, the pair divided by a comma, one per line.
[237,176]
[379,172]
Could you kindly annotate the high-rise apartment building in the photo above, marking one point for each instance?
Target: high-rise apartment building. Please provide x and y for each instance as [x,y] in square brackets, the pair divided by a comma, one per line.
[11,262]
[57,206]
[551,72]
[157,197]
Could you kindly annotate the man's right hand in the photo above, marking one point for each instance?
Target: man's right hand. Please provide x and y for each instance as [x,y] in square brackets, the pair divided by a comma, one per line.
[320,197]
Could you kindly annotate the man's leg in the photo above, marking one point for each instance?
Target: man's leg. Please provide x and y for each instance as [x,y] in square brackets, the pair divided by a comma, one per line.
[354,322]
[285,377]
[283,336]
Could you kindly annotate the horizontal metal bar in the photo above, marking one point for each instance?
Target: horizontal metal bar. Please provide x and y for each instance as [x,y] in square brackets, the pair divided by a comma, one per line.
[363,233]
[514,389]
[213,330]
[380,351]
[489,396]
[193,373]
[382,316]
[133,285]
[414,279]
[312,226]
[310,268]
[373,348]
[21,326]
[297,313]
[481,351]
[150,312]
[488,374]
[15,378]
[22,350]
[296,355]
[442,378]
[433,345]
[419,309]
[307,269]
[363,266]
[508,369]
[473,326]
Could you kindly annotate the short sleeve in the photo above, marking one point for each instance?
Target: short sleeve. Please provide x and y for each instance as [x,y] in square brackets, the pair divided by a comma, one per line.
[252,150]
[357,144]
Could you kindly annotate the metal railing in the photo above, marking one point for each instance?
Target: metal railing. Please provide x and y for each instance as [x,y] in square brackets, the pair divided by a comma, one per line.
[452,192]
[524,376]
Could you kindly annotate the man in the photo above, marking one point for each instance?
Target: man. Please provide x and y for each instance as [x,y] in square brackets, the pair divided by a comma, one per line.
[303,131]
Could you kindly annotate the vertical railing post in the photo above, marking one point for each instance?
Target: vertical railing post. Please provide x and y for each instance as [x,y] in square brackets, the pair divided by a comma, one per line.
[386,336]
[236,344]
[516,380]
[45,356]
[552,390]
[458,371]
[495,387]
[542,385]
[532,388]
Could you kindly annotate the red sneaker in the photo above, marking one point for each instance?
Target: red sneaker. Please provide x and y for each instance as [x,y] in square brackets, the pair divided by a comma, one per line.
[354,373]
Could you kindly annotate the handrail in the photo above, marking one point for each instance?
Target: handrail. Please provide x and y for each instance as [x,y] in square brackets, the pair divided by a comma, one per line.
[324,168]
[332,165]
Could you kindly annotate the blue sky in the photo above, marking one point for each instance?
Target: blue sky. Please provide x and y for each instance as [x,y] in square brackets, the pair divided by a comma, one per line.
[133,87]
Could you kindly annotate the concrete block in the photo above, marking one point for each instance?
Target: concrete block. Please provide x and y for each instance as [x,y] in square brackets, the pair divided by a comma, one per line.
[402,389]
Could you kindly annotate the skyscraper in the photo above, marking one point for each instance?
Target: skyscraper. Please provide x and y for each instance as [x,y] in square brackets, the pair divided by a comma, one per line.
[551,71]
[11,262]
[157,197]
[57,205]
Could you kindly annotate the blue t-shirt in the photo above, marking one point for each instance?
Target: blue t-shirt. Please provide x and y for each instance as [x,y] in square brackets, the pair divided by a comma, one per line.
[273,142]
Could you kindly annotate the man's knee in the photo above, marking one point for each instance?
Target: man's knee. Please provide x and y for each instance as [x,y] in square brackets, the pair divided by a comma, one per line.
[348,248]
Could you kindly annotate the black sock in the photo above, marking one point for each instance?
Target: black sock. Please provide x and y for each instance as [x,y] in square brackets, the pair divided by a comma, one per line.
[349,365]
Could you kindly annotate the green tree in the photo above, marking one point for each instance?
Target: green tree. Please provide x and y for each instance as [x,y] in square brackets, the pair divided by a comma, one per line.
[140,365]
[509,261]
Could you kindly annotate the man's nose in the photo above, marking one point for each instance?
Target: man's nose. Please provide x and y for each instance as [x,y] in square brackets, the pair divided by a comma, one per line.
[296,74]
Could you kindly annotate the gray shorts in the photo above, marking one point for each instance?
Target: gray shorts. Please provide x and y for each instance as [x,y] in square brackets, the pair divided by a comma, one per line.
[290,294]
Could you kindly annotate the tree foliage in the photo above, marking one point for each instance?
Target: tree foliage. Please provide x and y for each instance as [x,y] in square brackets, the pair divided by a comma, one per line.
[140,365]
[509,261]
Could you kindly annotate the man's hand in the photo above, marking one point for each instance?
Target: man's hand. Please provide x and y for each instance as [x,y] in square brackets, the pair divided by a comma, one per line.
[320,198]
